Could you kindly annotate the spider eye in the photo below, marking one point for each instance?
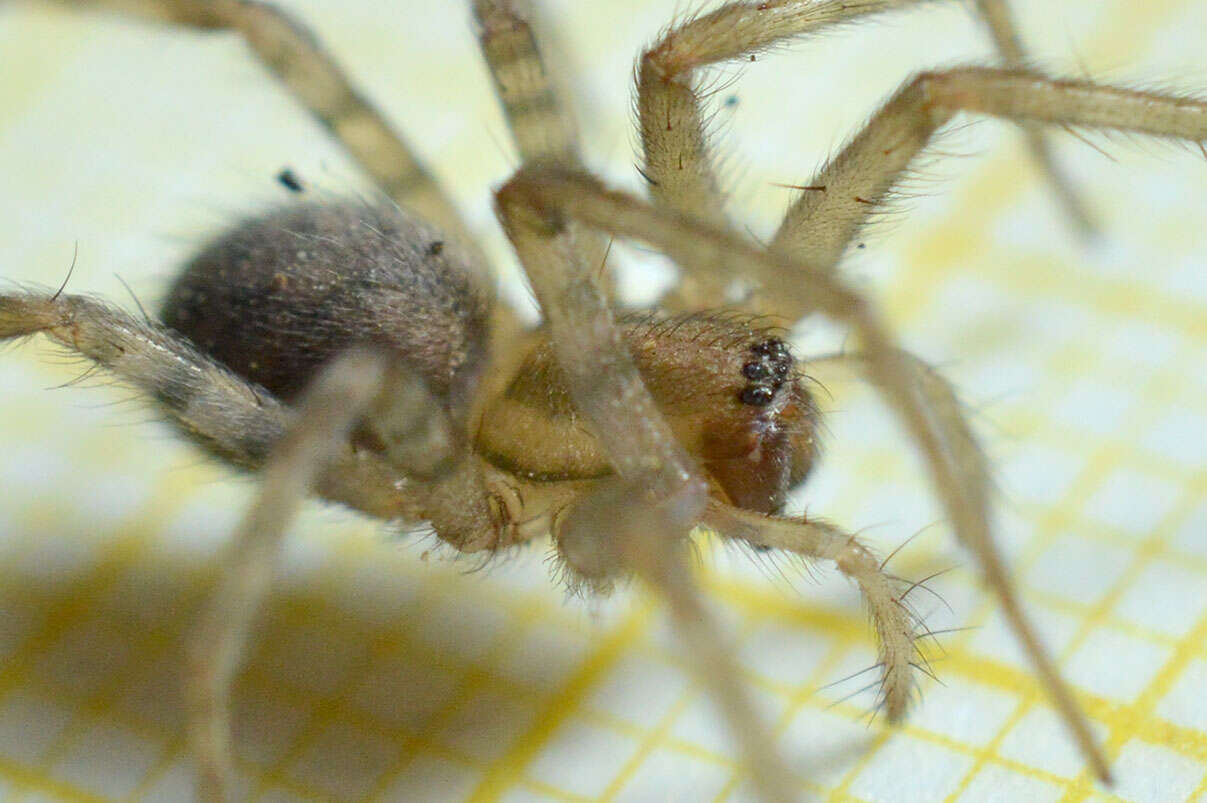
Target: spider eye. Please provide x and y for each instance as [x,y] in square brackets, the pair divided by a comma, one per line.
[757,395]
[755,370]
[767,372]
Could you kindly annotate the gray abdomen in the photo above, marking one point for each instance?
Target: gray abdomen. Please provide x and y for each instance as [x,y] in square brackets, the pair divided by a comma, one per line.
[280,295]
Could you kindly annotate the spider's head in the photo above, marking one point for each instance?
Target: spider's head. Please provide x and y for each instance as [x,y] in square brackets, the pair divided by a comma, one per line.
[732,393]
[762,442]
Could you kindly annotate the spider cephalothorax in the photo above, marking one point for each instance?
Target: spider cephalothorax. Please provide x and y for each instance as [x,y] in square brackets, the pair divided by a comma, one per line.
[729,391]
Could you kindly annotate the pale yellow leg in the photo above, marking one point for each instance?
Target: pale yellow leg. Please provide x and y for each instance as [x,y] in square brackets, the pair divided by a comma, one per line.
[540,121]
[997,18]
[908,388]
[817,539]
[639,523]
[821,224]
[325,417]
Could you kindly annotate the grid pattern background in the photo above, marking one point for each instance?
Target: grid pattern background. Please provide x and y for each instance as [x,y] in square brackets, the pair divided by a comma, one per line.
[383,673]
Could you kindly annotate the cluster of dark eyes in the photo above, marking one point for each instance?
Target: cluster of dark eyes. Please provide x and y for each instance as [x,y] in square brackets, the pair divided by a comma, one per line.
[766,372]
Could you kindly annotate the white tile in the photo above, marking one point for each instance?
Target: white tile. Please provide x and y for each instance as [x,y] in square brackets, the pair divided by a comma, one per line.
[996,640]
[1179,434]
[543,657]
[175,783]
[1191,535]
[1079,569]
[966,712]
[1090,405]
[89,655]
[1165,598]
[344,761]
[525,794]
[429,778]
[1039,473]
[701,723]
[463,627]
[822,746]
[266,726]
[909,769]
[1131,501]
[406,688]
[1041,740]
[1052,322]
[639,689]
[994,383]
[784,655]
[853,683]
[108,759]
[1141,342]
[1148,773]
[1114,664]
[582,758]
[487,724]
[668,775]
[312,657]
[996,784]
[29,724]
[1185,704]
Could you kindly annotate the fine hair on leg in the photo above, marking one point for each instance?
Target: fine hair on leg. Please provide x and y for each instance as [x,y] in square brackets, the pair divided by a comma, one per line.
[326,413]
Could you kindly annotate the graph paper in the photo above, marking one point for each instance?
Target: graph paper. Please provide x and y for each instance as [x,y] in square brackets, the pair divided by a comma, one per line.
[383,670]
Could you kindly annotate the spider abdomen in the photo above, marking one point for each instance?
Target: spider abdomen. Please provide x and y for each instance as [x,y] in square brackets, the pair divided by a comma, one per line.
[279,295]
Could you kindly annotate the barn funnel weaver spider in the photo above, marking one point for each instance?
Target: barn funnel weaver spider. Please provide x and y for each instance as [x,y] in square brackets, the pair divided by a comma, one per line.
[539,187]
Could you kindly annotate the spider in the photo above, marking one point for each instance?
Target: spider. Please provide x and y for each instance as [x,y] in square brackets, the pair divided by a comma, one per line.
[459,417]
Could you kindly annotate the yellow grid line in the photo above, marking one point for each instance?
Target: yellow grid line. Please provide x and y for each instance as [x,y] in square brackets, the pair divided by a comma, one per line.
[562,705]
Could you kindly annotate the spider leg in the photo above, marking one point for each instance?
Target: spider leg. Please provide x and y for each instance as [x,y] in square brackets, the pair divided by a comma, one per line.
[805,288]
[815,538]
[230,417]
[539,119]
[965,454]
[326,414]
[676,161]
[671,108]
[638,523]
[998,21]
[422,471]
[295,55]
[611,533]
[599,371]
[821,224]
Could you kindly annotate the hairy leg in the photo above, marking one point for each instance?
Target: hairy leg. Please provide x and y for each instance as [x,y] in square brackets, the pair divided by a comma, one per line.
[803,288]
[611,534]
[824,220]
[295,56]
[540,121]
[325,417]
[639,523]
[821,540]
[676,160]
[960,444]
[421,469]
[671,109]
[997,18]
[241,422]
